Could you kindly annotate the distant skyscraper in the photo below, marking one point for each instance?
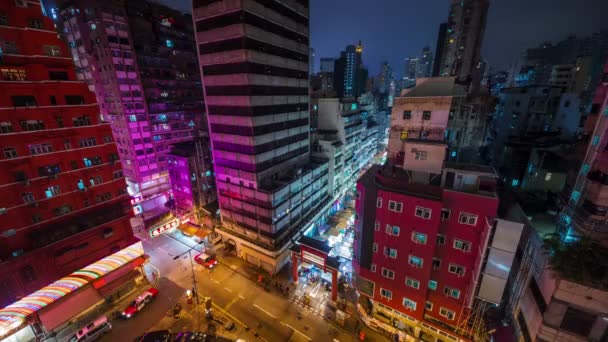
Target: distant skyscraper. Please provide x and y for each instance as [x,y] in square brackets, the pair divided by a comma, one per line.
[311,61]
[410,66]
[327,64]
[347,71]
[425,63]
[385,77]
[464,35]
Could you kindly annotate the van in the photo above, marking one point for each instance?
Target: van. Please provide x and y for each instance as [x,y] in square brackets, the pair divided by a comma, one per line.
[92,331]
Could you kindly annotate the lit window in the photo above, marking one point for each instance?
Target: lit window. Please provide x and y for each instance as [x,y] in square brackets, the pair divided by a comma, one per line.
[596,140]
[412,283]
[392,230]
[428,306]
[424,213]
[52,191]
[432,285]
[419,238]
[390,252]
[515,182]
[80,185]
[436,263]
[415,261]
[421,155]
[548,176]
[169,43]
[409,304]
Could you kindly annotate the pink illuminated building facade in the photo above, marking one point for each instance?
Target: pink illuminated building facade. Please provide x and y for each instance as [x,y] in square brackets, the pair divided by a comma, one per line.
[423,227]
[140,60]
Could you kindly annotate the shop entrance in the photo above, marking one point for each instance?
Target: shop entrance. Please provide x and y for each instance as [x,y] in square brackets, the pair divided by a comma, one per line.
[314,270]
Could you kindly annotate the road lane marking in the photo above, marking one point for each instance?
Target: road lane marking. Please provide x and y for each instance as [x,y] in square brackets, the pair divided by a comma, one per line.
[266,312]
[241,297]
[215,281]
[231,303]
[234,267]
[296,330]
[237,320]
[227,289]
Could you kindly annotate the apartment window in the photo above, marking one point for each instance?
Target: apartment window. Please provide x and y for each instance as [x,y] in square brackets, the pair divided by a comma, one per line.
[412,283]
[419,238]
[117,174]
[51,50]
[464,246]
[27,197]
[407,114]
[456,269]
[386,293]
[374,247]
[432,285]
[103,197]
[36,218]
[6,127]
[445,214]
[548,176]
[378,202]
[10,153]
[107,139]
[53,100]
[373,268]
[62,210]
[88,142]
[446,313]
[31,125]
[390,252]
[436,263]
[74,99]
[426,115]
[58,76]
[41,149]
[3,19]
[24,101]
[52,191]
[377,225]
[466,218]
[395,206]
[420,155]
[392,230]
[440,240]
[424,213]
[34,23]
[451,292]
[386,273]
[95,180]
[81,121]
[409,304]
[13,74]
[415,261]
[428,306]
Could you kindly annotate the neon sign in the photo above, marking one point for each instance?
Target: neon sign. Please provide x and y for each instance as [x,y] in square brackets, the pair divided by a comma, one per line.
[169,226]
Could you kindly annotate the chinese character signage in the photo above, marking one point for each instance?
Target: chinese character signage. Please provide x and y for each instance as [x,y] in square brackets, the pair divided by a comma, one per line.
[404,135]
[158,230]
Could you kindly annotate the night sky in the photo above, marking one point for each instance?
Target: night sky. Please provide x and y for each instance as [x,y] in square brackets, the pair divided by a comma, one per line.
[400,28]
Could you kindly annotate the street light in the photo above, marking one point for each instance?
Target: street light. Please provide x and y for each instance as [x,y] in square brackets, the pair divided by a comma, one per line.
[189,252]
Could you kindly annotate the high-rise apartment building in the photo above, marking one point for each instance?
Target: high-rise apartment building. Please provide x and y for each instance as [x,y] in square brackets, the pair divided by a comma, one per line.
[385,77]
[425,64]
[423,228]
[254,63]
[461,52]
[140,60]
[311,61]
[327,64]
[443,30]
[349,74]
[69,205]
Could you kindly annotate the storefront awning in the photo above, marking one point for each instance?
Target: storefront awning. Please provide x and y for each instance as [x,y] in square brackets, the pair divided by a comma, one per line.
[14,315]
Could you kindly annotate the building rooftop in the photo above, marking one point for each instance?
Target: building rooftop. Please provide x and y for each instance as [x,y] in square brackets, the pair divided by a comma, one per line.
[480,169]
[272,185]
[436,87]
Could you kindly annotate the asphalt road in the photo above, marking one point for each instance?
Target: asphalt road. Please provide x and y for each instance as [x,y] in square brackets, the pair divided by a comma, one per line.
[272,316]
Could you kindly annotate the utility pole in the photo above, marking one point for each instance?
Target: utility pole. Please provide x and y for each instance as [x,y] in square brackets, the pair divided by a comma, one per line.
[194,288]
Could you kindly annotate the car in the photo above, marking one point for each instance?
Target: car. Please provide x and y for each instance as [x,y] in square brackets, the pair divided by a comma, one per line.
[205,260]
[140,302]
[157,336]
